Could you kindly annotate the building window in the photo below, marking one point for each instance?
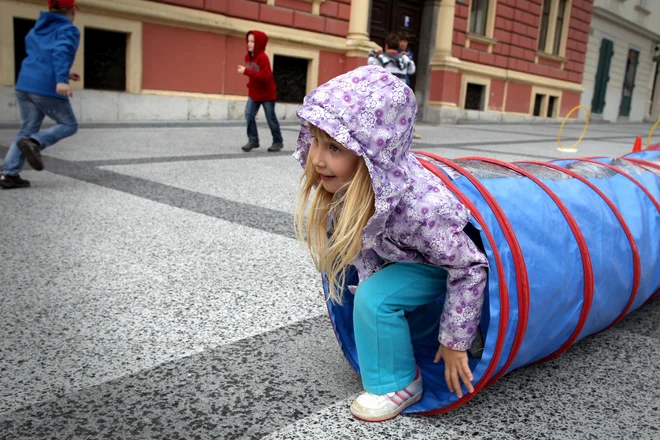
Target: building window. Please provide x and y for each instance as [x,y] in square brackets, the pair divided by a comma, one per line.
[561,12]
[538,103]
[290,77]
[478,17]
[105,60]
[553,31]
[552,104]
[21,29]
[545,105]
[545,19]
[474,96]
[629,83]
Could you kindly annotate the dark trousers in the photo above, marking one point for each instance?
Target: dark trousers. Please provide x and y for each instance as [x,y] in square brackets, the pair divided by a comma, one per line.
[251,109]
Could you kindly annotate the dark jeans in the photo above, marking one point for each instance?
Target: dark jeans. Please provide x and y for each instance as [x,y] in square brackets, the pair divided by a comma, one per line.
[33,109]
[251,109]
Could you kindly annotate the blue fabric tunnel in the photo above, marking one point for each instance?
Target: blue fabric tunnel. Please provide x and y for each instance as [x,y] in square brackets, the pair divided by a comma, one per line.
[573,247]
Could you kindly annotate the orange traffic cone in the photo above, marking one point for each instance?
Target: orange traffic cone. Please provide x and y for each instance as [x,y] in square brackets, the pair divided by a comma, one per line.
[638,145]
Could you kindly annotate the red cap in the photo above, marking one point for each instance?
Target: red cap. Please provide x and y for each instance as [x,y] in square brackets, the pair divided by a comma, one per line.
[61,4]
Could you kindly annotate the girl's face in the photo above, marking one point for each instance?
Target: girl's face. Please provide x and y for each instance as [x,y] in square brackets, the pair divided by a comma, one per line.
[333,162]
[250,43]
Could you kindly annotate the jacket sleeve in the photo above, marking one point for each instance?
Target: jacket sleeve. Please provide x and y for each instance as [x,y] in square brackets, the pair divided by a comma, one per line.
[410,70]
[440,238]
[65,52]
[264,73]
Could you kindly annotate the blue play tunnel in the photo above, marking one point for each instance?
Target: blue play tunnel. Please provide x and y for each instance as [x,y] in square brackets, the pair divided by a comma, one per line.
[573,247]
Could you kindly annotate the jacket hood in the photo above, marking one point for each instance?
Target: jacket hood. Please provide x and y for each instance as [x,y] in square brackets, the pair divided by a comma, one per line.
[48,22]
[372,113]
[260,42]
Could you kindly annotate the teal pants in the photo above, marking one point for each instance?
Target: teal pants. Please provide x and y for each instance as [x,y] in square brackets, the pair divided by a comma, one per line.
[396,306]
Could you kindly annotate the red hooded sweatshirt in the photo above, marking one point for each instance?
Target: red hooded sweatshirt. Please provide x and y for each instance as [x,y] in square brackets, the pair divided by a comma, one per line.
[261,86]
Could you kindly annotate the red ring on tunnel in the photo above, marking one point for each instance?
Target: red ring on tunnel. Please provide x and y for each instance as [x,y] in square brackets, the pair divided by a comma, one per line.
[504,294]
[522,280]
[637,261]
[642,187]
[582,245]
[626,175]
[643,163]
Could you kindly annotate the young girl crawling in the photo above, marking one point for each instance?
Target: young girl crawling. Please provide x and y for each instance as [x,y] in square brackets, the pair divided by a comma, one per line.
[370,204]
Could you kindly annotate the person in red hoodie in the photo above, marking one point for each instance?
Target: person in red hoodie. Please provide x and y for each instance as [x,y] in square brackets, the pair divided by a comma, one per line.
[261,90]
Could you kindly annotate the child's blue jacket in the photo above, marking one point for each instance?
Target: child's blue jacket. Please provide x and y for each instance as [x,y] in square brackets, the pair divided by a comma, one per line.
[51,47]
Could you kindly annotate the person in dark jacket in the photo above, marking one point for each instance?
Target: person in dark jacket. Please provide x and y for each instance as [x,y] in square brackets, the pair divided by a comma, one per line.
[261,90]
[43,90]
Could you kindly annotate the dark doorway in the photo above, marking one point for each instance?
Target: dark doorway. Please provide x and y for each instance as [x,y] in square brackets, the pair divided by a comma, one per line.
[105,60]
[538,103]
[291,78]
[398,16]
[21,29]
[552,105]
[602,76]
[629,83]
[474,96]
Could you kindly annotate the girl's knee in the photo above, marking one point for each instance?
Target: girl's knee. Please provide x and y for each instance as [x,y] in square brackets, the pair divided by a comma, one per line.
[365,305]
[400,286]
[370,294]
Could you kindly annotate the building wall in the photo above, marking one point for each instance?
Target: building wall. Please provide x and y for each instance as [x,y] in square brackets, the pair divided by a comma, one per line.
[189,49]
[645,16]
[182,54]
[330,17]
[517,32]
[172,58]
[607,26]
[507,63]
[332,64]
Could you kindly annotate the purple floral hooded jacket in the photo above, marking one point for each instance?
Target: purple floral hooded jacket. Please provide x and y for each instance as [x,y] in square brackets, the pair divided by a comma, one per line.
[416,219]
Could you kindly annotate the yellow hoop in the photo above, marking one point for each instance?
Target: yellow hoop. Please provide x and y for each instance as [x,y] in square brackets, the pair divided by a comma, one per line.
[572,148]
[648,141]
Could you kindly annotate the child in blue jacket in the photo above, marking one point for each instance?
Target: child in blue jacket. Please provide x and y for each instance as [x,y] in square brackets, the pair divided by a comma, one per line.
[43,90]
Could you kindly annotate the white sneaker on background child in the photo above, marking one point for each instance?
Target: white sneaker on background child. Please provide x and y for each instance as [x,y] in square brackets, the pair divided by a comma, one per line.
[380,407]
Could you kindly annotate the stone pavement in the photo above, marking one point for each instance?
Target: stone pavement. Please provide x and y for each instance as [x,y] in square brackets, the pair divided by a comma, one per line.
[153,289]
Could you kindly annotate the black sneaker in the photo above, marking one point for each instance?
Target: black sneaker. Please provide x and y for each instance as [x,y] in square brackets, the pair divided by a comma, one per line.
[30,149]
[250,146]
[277,146]
[11,182]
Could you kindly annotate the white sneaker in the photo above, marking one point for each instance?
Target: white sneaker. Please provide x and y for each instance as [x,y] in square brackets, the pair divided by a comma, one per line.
[380,407]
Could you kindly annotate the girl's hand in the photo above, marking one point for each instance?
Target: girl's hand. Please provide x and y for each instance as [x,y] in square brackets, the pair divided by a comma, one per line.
[241,69]
[74,76]
[456,364]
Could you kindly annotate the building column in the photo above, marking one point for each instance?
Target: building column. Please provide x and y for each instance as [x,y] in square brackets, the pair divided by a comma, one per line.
[6,47]
[358,45]
[445,33]
[445,81]
[425,51]
[358,27]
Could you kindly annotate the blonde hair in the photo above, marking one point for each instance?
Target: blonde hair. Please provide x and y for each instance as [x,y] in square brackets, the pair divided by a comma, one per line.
[351,208]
